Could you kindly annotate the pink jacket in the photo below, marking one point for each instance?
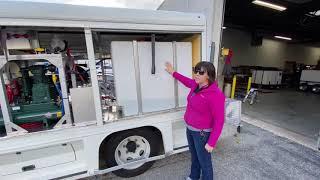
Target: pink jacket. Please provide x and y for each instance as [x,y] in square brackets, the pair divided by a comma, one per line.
[205,110]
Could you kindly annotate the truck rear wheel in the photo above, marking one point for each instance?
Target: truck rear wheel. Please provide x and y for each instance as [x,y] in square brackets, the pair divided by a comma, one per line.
[131,146]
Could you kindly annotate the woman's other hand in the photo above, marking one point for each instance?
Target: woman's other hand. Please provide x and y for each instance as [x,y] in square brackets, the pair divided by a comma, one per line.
[209,148]
[169,68]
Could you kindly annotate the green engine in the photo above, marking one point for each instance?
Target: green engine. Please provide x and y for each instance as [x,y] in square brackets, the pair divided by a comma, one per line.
[37,99]
[40,86]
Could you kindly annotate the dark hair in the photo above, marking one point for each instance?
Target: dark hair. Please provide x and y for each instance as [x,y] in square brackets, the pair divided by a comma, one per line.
[209,68]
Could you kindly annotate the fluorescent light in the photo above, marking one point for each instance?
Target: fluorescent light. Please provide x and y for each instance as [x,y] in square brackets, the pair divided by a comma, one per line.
[282,37]
[269,5]
[224,27]
[316,13]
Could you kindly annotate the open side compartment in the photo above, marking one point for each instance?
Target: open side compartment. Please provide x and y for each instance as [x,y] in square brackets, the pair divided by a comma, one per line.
[139,82]
[129,67]
[37,71]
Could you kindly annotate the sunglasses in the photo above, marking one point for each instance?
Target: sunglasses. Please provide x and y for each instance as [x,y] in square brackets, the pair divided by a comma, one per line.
[201,72]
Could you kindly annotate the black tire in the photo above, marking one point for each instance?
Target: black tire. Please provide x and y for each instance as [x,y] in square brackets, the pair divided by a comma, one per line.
[114,141]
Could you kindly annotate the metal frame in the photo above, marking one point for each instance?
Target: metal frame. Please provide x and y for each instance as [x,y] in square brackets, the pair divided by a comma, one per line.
[55,59]
[3,37]
[175,66]
[153,50]
[7,118]
[137,76]
[93,76]
[204,46]
[73,80]
[318,143]
[99,25]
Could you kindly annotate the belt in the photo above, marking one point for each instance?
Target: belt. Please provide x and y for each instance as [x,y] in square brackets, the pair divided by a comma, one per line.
[197,130]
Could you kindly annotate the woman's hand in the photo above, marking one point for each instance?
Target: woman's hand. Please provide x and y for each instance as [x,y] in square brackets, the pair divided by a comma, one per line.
[208,148]
[169,68]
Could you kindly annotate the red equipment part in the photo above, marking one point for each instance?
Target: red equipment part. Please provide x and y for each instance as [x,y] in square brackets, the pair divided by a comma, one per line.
[33,126]
[10,94]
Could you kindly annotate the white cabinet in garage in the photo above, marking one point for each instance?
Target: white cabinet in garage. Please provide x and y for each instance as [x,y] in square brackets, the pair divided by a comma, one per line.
[278,77]
[267,77]
[257,76]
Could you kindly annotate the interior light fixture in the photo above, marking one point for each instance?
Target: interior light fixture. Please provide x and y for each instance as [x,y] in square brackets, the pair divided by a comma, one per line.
[269,5]
[224,27]
[282,37]
[315,13]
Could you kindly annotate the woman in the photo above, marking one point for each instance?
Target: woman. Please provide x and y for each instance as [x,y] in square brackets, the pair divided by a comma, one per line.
[204,117]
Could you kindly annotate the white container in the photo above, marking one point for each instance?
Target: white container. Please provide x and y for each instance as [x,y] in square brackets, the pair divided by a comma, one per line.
[18,43]
[233,112]
[227,90]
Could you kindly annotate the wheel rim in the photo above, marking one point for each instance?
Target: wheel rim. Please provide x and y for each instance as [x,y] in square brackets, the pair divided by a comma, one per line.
[132,148]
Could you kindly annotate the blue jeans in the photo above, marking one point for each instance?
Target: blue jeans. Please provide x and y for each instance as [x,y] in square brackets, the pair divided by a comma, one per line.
[200,158]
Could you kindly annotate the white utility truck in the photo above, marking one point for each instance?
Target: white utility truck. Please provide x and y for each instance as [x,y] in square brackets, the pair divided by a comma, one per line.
[310,79]
[60,119]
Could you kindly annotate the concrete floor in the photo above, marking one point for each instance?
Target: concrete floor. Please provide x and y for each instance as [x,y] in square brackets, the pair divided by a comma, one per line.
[295,111]
[253,154]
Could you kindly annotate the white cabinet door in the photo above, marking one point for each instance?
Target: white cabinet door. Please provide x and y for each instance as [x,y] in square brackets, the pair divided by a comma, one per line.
[13,163]
[259,76]
[82,104]
[254,74]
[279,77]
[157,89]
[124,76]
[184,66]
